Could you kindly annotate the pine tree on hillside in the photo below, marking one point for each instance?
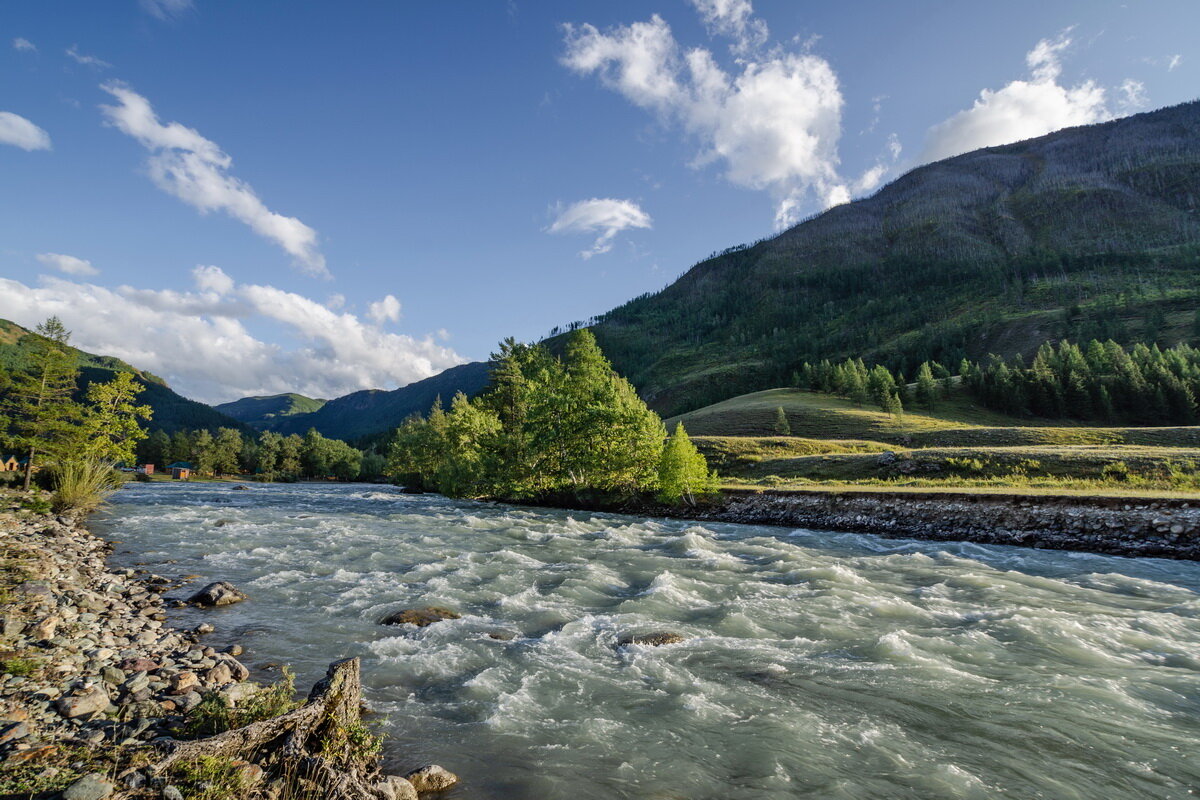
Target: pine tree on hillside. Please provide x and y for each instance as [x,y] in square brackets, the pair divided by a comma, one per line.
[782,426]
[927,387]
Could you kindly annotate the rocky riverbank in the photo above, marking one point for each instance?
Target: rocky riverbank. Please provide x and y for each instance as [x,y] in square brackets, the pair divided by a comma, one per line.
[1165,528]
[100,698]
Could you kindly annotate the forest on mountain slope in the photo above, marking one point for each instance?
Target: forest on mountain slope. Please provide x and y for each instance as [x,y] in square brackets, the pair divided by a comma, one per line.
[1089,232]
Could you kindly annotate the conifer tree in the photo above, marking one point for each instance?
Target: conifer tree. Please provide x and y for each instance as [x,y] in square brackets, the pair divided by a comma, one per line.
[782,426]
[927,387]
[43,417]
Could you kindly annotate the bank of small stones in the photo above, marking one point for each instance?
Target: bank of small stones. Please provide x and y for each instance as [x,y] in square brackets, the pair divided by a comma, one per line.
[1114,526]
[89,662]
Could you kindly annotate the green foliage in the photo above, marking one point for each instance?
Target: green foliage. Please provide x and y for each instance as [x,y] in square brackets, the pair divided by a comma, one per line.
[683,474]
[18,667]
[215,715]
[111,426]
[210,778]
[545,426]
[782,426]
[82,484]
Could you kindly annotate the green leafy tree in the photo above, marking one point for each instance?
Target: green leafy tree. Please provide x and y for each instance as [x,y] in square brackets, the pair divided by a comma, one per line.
[683,474]
[43,417]
[227,447]
[270,447]
[203,452]
[155,449]
[290,465]
[112,420]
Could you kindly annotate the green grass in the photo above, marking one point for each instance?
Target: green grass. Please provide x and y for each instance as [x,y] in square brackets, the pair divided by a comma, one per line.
[214,715]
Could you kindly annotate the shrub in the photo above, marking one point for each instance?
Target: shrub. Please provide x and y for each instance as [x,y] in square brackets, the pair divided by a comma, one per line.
[214,714]
[1116,471]
[83,484]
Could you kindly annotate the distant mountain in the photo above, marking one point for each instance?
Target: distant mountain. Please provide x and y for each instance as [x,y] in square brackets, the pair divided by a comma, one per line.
[1087,232]
[172,411]
[262,412]
[375,411]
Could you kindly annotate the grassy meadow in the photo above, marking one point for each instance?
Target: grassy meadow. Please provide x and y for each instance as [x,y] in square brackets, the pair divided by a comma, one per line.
[955,446]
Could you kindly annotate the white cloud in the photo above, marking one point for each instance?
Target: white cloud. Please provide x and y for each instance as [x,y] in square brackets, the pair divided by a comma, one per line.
[773,122]
[68,264]
[24,45]
[201,343]
[1173,62]
[20,132]
[1133,95]
[382,311]
[605,216]
[194,169]
[165,9]
[735,19]
[86,60]
[1023,109]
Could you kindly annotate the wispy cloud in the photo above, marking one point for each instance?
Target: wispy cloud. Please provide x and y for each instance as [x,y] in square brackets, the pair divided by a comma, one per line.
[86,60]
[20,132]
[203,345]
[22,44]
[605,216]
[68,264]
[194,169]
[773,120]
[1027,108]
[166,9]
[387,309]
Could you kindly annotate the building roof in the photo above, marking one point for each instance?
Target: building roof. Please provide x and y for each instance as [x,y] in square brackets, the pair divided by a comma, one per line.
[180,465]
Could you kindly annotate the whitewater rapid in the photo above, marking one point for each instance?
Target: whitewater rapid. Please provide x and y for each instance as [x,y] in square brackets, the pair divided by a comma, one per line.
[818,664]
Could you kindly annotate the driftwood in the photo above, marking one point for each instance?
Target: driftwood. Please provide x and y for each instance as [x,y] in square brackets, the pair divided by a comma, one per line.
[307,747]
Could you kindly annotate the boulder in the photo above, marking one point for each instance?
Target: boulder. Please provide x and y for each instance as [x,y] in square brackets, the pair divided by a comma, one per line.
[184,682]
[217,593]
[44,628]
[419,616]
[89,787]
[88,700]
[393,787]
[652,639]
[431,779]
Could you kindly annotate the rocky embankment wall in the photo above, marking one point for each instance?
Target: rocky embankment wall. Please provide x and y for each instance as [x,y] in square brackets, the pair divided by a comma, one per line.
[1166,528]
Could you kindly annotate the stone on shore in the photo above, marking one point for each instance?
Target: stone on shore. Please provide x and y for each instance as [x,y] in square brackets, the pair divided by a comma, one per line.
[431,778]
[217,593]
[88,700]
[419,616]
[89,787]
[655,639]
[393,787]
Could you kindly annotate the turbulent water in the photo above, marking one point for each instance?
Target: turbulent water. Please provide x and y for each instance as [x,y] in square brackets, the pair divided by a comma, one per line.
[818,664]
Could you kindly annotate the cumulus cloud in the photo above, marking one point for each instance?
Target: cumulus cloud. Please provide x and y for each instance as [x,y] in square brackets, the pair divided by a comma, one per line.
[68,264]
[773,121]
[203,345]
[382,311]
[605,216]
[1023,109]
[86,60]
[24,45]
[194,169]
[165,9]
[20,132]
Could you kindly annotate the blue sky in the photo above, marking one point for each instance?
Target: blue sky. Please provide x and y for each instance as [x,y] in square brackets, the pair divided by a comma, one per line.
[324,197]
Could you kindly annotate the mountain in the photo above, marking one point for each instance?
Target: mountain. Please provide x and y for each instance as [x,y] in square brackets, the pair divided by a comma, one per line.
[1087,232]
[172,411]
[374,411]
[262,412]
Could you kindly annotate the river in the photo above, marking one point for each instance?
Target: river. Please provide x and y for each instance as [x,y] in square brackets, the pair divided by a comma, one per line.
[818,664]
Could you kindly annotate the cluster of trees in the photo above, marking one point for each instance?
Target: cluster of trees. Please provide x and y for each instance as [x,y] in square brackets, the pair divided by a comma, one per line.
[41,419]
[547,426]
[270,456]
[1097,381]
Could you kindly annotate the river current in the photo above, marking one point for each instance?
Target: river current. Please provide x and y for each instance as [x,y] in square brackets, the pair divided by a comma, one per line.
[822,665]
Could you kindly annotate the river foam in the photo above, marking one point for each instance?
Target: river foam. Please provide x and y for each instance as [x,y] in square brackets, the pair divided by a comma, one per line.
[817,664]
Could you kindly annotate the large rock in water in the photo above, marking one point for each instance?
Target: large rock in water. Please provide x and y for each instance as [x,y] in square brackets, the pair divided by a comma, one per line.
[217,593]
[431,778]
[653,639]
[393,787]
[419,616]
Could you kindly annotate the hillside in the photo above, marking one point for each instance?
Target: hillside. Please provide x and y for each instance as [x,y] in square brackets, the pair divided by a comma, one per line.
[374,411]
[172,411]
[262,412]
[1087,232]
